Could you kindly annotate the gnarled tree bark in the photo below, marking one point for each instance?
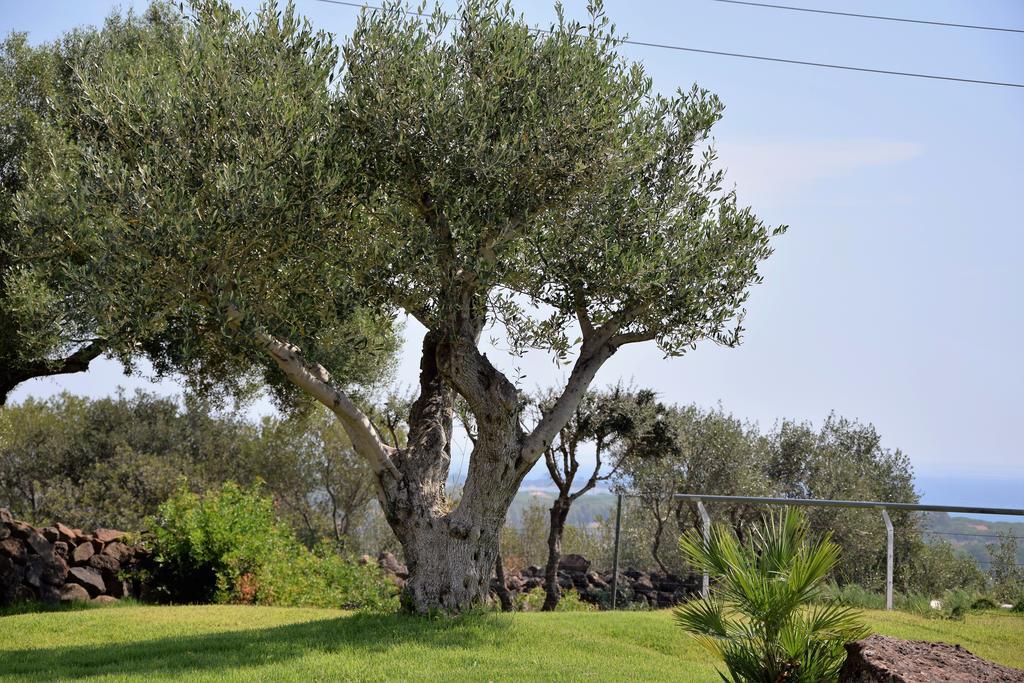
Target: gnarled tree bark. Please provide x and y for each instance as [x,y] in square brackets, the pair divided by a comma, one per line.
[450,551]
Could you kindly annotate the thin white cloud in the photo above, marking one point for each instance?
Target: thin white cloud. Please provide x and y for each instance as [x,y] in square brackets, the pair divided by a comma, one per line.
[780,170]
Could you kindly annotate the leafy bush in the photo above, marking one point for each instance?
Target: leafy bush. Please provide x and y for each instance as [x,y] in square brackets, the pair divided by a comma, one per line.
[852,595]
[759,618]
[953,604]
[939,566]
[227,546]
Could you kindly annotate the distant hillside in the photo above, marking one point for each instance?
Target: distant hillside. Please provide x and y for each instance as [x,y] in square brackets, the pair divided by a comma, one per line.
[584,511]
[972,535]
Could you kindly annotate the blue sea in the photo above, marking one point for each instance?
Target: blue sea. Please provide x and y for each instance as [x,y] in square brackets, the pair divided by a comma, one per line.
[979,491]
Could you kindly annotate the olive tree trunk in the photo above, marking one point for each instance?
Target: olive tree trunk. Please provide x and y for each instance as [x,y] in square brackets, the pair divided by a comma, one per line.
[552,591]
[449,549]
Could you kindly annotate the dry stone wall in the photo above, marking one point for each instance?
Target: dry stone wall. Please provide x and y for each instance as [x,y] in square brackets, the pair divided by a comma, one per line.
[58,563]
[654,589]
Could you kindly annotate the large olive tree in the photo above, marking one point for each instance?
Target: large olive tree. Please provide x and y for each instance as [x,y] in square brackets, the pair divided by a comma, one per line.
[252,203]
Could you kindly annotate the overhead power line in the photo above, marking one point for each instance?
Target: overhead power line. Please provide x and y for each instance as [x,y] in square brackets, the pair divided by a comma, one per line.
[965,533]
[872,16]
[740,55]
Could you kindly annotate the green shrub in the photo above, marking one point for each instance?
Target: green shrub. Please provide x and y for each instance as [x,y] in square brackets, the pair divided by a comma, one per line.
[984,602]
[227,546]
[956,604]
[852,595]
[760,618]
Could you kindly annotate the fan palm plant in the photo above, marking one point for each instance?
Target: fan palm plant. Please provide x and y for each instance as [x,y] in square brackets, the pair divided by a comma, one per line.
[762,617]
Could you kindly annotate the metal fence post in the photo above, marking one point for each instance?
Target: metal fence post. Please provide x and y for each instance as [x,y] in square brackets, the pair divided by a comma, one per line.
[615,557]
[888,559]
[707,535]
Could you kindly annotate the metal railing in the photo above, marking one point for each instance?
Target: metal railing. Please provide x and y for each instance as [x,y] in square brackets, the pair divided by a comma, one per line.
[883,507]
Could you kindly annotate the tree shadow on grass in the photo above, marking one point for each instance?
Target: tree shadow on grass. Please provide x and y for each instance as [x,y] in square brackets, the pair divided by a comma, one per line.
[218,652]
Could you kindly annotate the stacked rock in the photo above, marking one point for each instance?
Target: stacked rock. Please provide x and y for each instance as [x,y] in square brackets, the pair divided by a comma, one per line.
[655,589]
[60,563]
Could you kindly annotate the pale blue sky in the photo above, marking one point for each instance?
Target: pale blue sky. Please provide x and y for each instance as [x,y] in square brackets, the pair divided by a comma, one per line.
[895,297]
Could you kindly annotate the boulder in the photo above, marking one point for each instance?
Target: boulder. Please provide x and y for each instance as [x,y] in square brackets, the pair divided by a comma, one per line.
[82,553]
[119,551]
[5,532]
[23,593]
[67,534]
[6,570]
[5,516]
[103,600]
[11,573]
[50,533]
[55,571]
[109,535]
[72,592]
[574,563]
[88,578]
[118,588]
[665,599]
[107,566]
[20,529]
[13,549]
[881,659]
[34,571]
[643,584]
[48,593]
[38,544]
[61,548]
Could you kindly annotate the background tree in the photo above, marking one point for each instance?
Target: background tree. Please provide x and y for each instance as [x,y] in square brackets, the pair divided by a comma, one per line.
[249,220]
[698,451]
[1007,575]
[321,485]
[111,462]
[600,420]
[844,459]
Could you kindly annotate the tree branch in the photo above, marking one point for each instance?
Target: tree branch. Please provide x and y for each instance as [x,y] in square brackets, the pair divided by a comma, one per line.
[595,475]
[314,379]
[601,345]
[592,357]
[77,362]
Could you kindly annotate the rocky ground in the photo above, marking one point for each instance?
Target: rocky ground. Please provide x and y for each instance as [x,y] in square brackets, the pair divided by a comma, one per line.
[880,659]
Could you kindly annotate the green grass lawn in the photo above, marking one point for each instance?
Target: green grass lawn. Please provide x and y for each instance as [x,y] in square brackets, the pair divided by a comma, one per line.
[276,644]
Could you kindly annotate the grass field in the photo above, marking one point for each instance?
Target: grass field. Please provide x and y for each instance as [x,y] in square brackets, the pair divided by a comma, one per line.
[136,643]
